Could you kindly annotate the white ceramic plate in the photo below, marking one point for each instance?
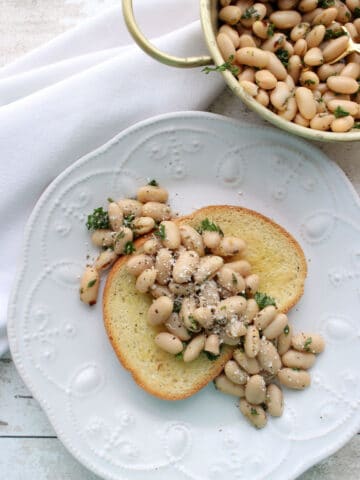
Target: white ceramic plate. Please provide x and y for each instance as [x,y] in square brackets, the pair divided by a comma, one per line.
[63,354]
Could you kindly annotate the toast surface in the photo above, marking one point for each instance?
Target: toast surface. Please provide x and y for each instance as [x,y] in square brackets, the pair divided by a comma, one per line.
[273,253]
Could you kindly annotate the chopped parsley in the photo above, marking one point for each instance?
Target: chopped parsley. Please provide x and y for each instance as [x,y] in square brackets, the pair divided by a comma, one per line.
[224,66]
[356,12]
[283,56]
[110,200]
[211,356]
[340,112]
[263,300]
[119,236]
[177,305]
[270,30]
[91,283]
[194,326]
[160,232]
[249,13]
[128,220]
[98,219]
[253,411]
[326,3]
[307,344]
[129,248]
[356,125]
[207,226]
[296,369]
[287,330]
[234,279]
[153,183]
[179,355]
[309,82]
[330,33]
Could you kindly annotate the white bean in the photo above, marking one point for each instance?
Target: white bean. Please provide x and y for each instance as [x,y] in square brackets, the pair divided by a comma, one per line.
[300,47]
[300,120]
[171,235]
[212,344]
[152,193]
[274,43]
[231,306]
[297,380]
[315,36]
[250,365]
[123,237]
[255,390]
[211,239]
[284,340]
[192,239]
[280,95]
[249,87]
[152,246]
[224,385]
[335,48]
[146,280]
[260,29]
[156,210]
[326,17]
[89,286]
[157,291]
[295,359]
[175,326]
[263,98]
[314,57]
[226,46]
[241,266]
[188,307]
[310,80]
[230,280]
[208,266]
[257,12]
[276,327]
[115,216]
[253,57]
[143,225]
[308,342]
[130,207]
[265,317]
[103,238]
[231,33]
[351,70]
[230,14]
[204,316]
[252,342]
[160,310]
[105,260]
[253,413]
[163,264]
[306,102]
[285,19]
[235,329]
[247,75]
[209,293]
[185,266]
[326,70]
[268,357]
[299,31]
[346,105]
[274,400]
[295,67]
[322,121]
[265,79]
[342,84]
[194,348]
[247,40]
[235,374]
[252,309]
[307,5]
[169,342]
[276,67]
[342,124]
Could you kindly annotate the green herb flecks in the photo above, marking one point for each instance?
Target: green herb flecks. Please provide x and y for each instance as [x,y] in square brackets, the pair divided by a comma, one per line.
[211,356]
[283,56]
[253,411]
[119,236]
[179,355]
[287,330]
[356,125]
[194,326]
[160,232]
[207,226]
[128,221]
[98,219]
[340,112]
[91,283]
[234,279]
[153,183]
[223,67]
[263,300]
[356,12]
[129,248]
[331,34]
[250,13]
[110,200]
[309,82]
[326,3]
[177,305]
[307,344]
[270,30]
[296,369]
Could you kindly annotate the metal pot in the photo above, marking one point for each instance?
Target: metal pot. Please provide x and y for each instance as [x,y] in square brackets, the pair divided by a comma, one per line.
[208,14]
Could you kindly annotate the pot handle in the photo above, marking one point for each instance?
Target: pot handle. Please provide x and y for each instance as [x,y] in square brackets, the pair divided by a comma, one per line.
[144,44]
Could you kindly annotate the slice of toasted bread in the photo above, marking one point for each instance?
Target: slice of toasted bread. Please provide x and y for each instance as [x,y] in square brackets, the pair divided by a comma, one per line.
[273,253]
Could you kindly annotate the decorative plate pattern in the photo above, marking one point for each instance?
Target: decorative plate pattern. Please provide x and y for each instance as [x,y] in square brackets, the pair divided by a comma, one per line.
[63,354]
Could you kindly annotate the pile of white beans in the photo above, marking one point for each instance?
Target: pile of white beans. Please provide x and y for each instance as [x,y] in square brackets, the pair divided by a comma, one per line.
[308,91]
[203,299]
[145,211]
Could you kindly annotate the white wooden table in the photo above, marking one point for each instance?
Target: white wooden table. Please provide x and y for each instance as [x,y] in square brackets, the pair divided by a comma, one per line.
[29,448]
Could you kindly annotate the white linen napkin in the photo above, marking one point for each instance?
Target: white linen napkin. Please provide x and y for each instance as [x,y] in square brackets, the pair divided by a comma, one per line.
[67,98]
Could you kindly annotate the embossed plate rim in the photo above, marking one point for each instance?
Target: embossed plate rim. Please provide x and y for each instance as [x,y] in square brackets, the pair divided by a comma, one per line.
[22,266]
